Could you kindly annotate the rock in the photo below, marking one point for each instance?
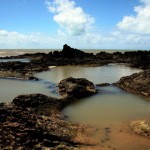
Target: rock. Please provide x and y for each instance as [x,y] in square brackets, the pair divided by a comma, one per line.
[41,62]
[104,56]
[23,128]
[69,52]
[103,84]
[76,87]
[141,127]
[29,76]
[73,56]
[137,83]
[38,103]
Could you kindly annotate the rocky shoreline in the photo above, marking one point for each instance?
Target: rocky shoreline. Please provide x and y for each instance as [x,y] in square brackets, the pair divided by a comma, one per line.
[23,128]
[138,83]
[34,121]
[70,56]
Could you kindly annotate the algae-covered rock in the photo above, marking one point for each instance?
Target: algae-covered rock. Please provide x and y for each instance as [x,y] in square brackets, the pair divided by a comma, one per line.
[76,87]
[141,127]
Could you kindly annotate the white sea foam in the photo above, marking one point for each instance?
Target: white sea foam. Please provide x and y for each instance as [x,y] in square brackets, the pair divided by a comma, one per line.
[50,67]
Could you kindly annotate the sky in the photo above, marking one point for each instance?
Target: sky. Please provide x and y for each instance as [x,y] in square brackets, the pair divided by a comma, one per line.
[83,24]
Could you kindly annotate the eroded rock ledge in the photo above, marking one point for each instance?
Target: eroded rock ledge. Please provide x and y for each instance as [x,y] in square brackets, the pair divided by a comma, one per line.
[138,83]
[33,122]
[76,87]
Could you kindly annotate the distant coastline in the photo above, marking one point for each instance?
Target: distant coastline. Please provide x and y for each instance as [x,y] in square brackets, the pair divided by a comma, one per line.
[16,52]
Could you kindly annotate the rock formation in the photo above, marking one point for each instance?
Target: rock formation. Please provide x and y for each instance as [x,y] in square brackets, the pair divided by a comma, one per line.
[33,122]
[141,127]
[137,83]
[76,87]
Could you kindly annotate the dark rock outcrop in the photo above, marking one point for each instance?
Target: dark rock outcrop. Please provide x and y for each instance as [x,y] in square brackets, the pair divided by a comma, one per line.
[76,87]
[41,61]
[71,56]
[22,67]
[69,52]
[38,103]
[29,123]
[104,56]
[137,83]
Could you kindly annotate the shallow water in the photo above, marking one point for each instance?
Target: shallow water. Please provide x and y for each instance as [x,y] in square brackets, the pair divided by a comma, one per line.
[109,73]
[12,60]
[109,111]
[10,88]
[110,106]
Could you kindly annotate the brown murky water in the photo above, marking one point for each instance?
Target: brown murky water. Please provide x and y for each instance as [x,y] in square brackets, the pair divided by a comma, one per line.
[110,111]
[10,88]
[110,73]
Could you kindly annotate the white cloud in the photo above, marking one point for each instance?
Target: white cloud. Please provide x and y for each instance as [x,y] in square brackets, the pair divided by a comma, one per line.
[140,23]
[114,40]
[32,40]
[147,2]
[133,32]
[71,19]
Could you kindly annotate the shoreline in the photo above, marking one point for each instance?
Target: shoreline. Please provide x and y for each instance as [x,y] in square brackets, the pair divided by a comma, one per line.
[41,62]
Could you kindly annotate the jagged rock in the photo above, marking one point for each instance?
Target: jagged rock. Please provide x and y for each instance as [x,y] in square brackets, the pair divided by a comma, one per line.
[23,128]
[137,83]
[69,52]
[76,87]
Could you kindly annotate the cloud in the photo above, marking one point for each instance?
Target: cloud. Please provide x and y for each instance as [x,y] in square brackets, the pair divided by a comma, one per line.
[32,40]
[140,23]
[114,40]
[133,32]
[71,19]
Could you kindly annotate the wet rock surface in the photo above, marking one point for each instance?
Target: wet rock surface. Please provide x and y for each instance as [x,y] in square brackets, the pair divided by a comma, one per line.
[76,87]
[137,83]
[20,70]
[33,122]
[141,127]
